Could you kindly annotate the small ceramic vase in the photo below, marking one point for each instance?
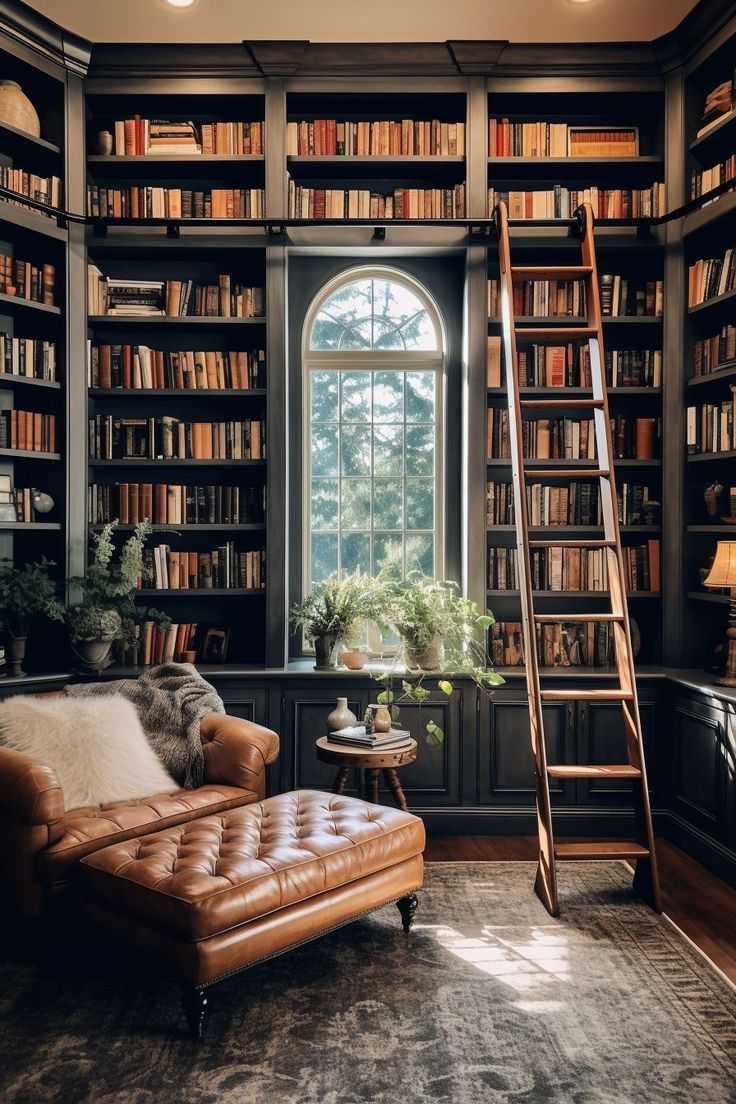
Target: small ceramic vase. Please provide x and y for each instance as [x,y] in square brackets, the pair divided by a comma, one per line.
[42,503]
[341,716]
[104,143]
[381,718]
[353,659]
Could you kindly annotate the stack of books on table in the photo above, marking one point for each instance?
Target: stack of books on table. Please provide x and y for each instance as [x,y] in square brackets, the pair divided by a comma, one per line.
[357,737]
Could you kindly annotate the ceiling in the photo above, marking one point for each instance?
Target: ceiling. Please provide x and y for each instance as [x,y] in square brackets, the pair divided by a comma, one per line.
[377,21]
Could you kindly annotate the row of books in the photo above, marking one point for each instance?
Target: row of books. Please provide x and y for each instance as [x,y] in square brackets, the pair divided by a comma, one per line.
[135,137]
[712,426]
[173,298]
[578,503]
[575,569]
[44,189]
[27,356]
[26,280]
[544,139]
[720,102]
[358,203]
[710,277]
[561,202]
[572,439]
[167,438]
[620,296]
[705,180]
[181,642]
[224,568]
[564,644]
[714,352]
[175,203]
[175,504]
[28,431]
[569,366]
[376,138]
[137,367]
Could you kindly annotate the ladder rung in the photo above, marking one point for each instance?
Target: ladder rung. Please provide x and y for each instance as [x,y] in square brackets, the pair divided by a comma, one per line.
[560,272]
[585,695]
[586,618]
[572,544]
[546,404]
[558,335]
[567,473]
[606,849]
[578,770]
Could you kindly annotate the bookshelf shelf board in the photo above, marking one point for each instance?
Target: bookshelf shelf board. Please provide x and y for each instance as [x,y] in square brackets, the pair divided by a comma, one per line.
[172,463]
[28,454]
[577,392]
[719,529]
[174,392]
[147,240]
[719,135]
[164,320]
[31,221]
[114,160]
[574,594]
[562,531]
[711,457]
[370,159]
[536,321]
[26,304]
[203,592]
[7,379]
[18,141]
[37,526]
[719,208]
[572,168]
[696,596]
[537,462]
[200,527]
[717,302]
[728,372]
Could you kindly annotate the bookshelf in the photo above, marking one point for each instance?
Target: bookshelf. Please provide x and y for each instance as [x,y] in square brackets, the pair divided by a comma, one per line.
[707,233]
[34,334]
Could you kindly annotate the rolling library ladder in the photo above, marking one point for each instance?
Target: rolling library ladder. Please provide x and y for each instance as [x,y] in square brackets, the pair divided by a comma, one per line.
[641,850]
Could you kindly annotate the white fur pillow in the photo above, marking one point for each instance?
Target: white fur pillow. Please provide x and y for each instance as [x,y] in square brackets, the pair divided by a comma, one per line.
[95,746]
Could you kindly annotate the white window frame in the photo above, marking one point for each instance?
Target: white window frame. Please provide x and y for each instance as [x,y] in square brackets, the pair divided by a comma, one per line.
[373,360]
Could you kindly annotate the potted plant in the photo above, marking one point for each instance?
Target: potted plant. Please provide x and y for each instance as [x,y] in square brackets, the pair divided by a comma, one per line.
[24,592]
[332,611]
[441,632]
[108,611]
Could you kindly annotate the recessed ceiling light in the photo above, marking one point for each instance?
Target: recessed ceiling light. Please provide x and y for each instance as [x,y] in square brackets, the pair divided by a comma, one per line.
[581,1]
[180,3]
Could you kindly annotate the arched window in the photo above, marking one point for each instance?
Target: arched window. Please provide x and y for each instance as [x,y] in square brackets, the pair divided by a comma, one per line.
[373,468]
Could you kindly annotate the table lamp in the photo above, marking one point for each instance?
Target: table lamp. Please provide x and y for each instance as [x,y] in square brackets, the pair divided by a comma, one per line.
[723,574]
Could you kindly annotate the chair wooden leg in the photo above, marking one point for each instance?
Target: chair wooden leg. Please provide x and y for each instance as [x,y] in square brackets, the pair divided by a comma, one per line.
[194,1003]
[341,780]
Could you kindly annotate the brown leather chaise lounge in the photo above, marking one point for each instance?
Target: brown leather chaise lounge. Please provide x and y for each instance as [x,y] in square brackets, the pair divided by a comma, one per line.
[42,842]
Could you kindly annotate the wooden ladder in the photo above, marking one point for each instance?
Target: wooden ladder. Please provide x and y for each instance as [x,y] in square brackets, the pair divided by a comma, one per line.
[640,850]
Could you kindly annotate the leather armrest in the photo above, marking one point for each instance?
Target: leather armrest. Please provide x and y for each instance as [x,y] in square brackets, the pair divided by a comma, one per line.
[29,790]
[236,752]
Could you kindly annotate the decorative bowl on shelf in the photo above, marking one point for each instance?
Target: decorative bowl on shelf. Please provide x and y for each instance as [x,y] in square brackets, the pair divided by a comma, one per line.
[17,110]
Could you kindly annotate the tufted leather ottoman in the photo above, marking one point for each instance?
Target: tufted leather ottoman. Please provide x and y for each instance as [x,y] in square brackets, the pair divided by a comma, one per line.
[214,895]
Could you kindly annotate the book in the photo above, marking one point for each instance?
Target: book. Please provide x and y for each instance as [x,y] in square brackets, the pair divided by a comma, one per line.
[358,203]
[176,504]
[105,201]
[561,202]
[374,138]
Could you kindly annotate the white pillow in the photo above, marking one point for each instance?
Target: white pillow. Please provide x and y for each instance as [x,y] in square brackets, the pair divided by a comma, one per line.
[95,746]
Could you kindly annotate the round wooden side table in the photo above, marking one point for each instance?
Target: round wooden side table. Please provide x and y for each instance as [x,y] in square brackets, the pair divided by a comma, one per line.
[371,763]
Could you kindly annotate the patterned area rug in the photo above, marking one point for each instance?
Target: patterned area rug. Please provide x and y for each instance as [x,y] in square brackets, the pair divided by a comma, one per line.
[489,1000]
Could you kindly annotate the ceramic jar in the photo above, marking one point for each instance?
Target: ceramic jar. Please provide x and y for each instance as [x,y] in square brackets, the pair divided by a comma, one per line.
[381,718]
[341,716]
[17,110]
[353,659]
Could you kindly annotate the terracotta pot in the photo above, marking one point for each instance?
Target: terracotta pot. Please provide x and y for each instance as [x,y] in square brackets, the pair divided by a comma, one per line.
[17,650]
[353,659]
[431,659]
[324,653]
[93,654]
[341,716]
[17,110]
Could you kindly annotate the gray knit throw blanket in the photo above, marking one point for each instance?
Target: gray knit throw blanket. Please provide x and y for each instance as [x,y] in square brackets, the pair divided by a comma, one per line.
[171,700]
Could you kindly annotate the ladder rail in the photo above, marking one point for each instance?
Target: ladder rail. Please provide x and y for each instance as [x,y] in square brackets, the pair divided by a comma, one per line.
[547,876]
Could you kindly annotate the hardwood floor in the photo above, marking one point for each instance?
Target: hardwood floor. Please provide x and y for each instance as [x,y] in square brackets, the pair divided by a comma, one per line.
[698,902]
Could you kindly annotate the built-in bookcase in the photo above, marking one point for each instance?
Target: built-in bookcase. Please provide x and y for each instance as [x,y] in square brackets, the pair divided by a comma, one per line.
[33,333]
[381,172]
[707,233]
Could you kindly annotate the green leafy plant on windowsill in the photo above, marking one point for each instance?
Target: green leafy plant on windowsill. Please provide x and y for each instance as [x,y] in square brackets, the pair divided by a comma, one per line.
[332,611]
[442,632]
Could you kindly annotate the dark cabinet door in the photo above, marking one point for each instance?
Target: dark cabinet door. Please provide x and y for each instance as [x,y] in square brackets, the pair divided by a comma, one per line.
[700,780]
[244,700]
[601,738]
[506,762]
[304,720]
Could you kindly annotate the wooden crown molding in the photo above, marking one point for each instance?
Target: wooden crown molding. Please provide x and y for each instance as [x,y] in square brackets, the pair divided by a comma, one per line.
[699,26]
[29,28]
[277,59]
[169,61]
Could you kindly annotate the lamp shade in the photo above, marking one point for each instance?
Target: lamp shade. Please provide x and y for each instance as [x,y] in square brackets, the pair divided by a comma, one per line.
[723,571]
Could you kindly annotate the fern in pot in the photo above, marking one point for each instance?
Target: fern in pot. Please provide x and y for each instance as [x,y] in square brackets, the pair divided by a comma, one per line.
[331,613]
[107,611]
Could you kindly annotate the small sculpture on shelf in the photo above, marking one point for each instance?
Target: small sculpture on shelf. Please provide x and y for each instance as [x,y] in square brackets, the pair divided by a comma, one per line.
[42,503]
[712,494]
